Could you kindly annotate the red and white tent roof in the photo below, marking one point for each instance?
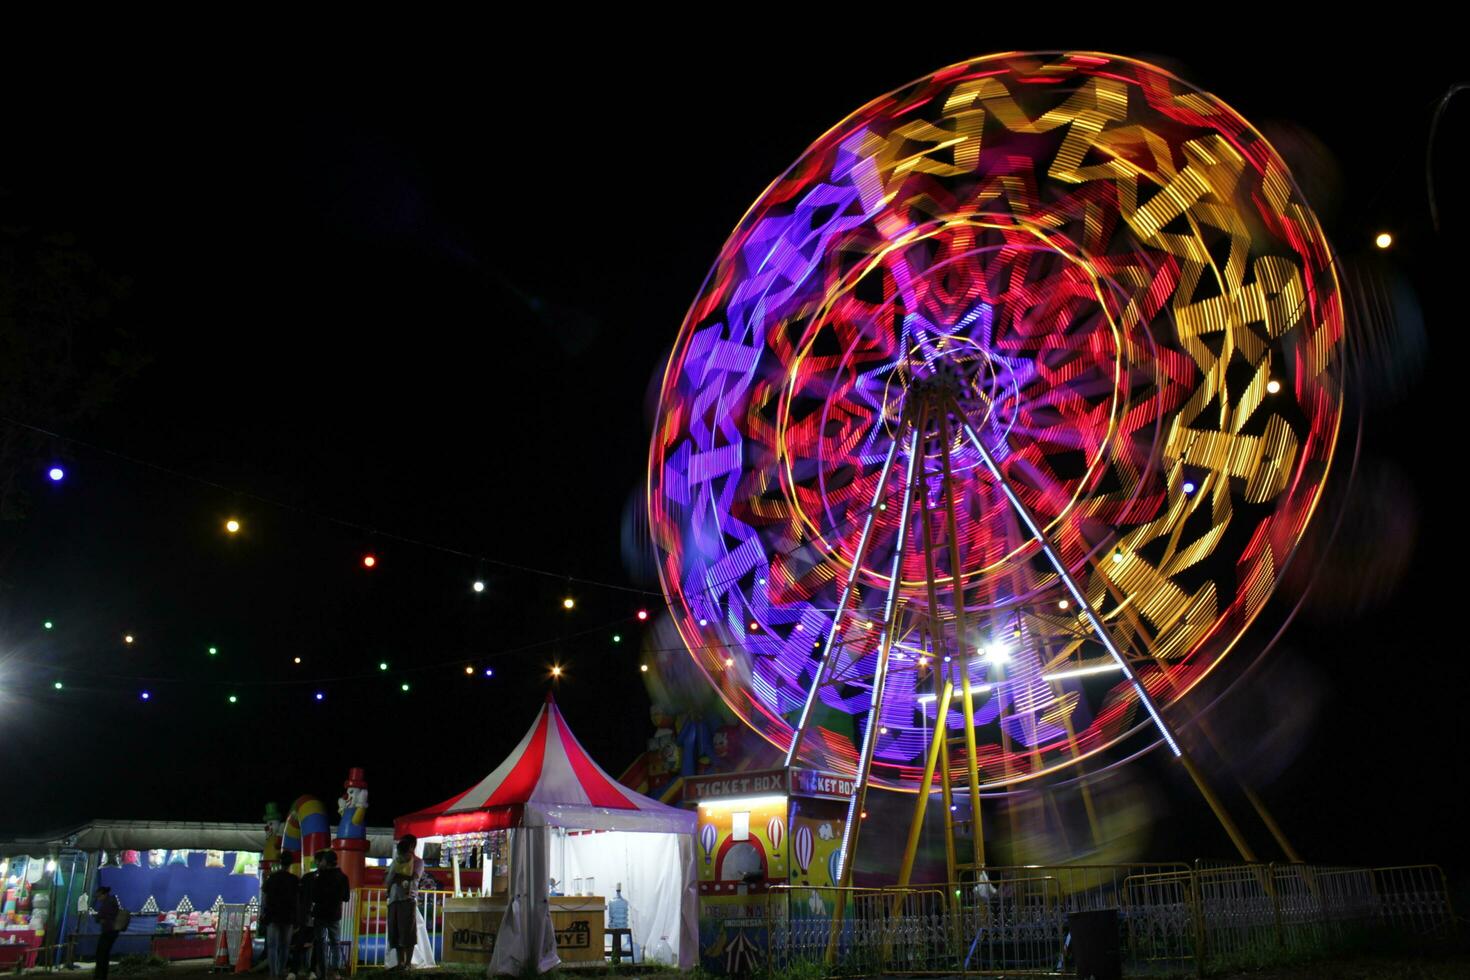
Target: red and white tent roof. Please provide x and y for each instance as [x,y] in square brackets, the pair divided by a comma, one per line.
[548,781]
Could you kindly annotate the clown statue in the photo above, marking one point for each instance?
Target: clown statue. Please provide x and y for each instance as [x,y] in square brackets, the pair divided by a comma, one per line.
[351,844]
[271,854]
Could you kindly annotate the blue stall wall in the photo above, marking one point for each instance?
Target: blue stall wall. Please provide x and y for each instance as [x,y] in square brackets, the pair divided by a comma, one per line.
[169,885]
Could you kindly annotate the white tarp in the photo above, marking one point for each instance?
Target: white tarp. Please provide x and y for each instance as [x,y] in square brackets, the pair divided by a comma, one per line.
[526,939]
[655,876]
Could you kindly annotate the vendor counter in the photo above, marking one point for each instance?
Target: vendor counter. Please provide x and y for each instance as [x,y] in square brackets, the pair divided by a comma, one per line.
[471,924]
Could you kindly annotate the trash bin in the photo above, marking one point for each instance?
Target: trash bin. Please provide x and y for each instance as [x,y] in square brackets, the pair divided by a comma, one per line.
[1094,943]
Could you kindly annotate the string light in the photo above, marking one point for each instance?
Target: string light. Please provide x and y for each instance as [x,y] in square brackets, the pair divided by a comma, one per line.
[57,685]
[569,603]
[369,561]
[1188,487]
[232,525]
[233,699]
[1063,604]
[729,661]
[48,624]
[1273,386]
[1117,556]
[478,586]
[489,672]
[56,473]
[555,670]
[642,614]
[470,671]
[127,638]
[296,660]
[643,668]
[144,696]
[383,665]
[404,687]
[320,696]
[213,651]
[1384,240]
[617,638]
[704,622]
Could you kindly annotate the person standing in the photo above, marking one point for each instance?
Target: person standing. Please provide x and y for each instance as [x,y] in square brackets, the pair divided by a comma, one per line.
[403,901]
[105,909]
[303,945]
[280,896]
[329,893]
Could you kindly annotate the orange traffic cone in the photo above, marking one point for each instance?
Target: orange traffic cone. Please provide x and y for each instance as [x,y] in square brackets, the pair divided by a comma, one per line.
[221,950]
[247,943]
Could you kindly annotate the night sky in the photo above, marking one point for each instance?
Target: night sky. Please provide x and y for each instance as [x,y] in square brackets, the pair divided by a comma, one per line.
[401,297]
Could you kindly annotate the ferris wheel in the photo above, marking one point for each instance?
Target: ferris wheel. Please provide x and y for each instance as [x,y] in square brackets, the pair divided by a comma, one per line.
[995,421]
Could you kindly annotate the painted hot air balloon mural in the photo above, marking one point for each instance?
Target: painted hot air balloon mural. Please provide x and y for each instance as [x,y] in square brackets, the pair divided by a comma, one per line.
[834,865]
[707,836]
[775,833]
[803,848]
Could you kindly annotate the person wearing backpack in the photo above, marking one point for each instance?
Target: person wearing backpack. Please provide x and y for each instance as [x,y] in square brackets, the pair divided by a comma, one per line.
[112,918]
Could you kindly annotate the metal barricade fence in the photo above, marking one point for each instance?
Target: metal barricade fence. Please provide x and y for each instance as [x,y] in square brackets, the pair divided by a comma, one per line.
[366,932]
[1414,899]
[1172,918]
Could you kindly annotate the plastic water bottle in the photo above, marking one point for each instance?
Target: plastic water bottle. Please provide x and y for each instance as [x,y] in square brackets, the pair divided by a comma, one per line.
[617,910]
[663,953]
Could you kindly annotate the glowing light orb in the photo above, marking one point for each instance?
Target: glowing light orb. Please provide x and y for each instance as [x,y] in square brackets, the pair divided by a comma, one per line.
[232,525]
[56,473]
[569,603]
[478,586]
[1384,240]
[369,561]
[145,696]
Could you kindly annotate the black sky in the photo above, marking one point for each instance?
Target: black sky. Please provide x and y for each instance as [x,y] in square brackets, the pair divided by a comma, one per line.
[422,286]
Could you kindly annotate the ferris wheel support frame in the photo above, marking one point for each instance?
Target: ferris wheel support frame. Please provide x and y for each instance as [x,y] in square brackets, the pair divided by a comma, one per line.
[1253,798]
[1170,739]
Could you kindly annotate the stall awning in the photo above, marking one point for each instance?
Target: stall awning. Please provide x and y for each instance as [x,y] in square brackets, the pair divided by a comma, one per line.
[548,781]
[146,835]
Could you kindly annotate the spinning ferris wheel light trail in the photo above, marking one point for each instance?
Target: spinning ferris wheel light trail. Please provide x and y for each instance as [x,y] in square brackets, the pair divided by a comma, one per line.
[1082,312]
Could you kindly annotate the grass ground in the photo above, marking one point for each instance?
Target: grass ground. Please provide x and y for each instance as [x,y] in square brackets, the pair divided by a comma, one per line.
[1360,966]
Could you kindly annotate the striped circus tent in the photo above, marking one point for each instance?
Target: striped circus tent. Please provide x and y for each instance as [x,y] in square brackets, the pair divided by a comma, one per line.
[546,789]
[548,781]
